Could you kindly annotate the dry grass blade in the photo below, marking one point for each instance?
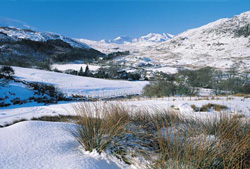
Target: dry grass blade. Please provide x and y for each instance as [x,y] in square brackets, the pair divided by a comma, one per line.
[99,124]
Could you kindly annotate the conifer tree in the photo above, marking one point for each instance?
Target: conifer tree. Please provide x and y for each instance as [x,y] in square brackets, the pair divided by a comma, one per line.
[81,72]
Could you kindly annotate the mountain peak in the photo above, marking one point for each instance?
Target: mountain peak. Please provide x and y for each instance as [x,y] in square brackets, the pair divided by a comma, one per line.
[155,37]
[122,39]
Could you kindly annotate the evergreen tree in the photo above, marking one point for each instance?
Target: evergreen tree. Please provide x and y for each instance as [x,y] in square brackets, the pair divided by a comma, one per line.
[80,73]
[87,70]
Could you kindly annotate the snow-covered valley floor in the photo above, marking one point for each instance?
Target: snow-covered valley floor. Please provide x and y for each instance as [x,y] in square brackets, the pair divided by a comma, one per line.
[39,144]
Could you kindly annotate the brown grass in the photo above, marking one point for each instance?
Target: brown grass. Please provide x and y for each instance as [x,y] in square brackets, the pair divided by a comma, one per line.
[216,107]
[229,147]
[163,137]
[98,125]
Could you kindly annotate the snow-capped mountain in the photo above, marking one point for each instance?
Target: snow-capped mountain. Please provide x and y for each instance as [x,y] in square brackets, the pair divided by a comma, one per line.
[22,46]
[16,30]
[151,37]
[154,37]
[217,44]
[121,40]
[18,33]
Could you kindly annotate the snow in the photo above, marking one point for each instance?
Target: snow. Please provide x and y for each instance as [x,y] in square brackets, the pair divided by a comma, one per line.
[48,145]
[78,85]
[154,37]
[77,67]
[169,70]
[185,108]
[13,90]
[19,33]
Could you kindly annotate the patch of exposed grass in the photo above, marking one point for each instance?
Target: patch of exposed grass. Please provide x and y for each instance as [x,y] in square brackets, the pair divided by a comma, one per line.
[216,107]
[59,118]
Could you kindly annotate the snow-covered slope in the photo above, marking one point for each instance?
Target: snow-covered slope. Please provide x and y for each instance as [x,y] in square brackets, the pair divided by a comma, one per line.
[18,33]
[21,30]
[48,145]
[218,44]
[86,86]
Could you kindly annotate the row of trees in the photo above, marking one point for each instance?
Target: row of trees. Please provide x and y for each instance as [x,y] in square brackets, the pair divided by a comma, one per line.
[187,82]
[112,71]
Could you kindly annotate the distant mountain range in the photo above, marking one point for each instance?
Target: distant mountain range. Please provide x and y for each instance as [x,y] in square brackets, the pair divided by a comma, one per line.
[151,37]
[125,43]
[220,44]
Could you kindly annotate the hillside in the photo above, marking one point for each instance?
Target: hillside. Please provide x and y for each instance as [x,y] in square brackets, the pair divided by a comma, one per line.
[218,44]
[25,47]
[70,84]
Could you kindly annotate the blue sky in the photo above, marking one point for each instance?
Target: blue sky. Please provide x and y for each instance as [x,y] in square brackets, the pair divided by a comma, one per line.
[103,19]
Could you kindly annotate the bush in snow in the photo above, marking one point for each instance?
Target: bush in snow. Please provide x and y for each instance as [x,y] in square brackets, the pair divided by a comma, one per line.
[47,89]
[6,72]
[161,88]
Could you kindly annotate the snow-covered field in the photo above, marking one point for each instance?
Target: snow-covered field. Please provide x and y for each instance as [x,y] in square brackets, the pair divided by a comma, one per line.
[29,145]
[86,86]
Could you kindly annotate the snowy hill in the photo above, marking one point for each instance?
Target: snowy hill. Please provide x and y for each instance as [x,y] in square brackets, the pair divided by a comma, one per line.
[19,33]
[78,85]
[218,44]
[21,45]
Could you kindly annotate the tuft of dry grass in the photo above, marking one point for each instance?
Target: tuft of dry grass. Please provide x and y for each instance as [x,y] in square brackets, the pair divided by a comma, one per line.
[216,107]
[99,124]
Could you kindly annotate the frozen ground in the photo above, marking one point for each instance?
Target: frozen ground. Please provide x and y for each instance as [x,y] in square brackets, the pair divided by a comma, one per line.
[29,145]
[86,86]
